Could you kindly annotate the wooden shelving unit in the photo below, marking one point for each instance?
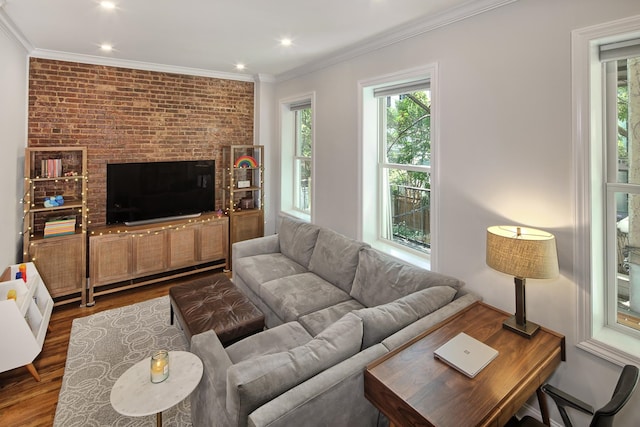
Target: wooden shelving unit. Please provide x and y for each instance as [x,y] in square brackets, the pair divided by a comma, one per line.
[60,259]
[243,190]
[24,320]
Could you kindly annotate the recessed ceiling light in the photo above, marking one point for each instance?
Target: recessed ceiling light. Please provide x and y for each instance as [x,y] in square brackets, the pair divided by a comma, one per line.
[106,47]
[286,42]
[107,5]
[240,66]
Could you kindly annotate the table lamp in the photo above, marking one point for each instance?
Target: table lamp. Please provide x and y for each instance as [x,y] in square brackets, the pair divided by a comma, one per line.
[522,252]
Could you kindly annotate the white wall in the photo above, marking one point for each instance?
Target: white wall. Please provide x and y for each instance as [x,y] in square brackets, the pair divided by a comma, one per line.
[13,119]
[265,127]
[505,154]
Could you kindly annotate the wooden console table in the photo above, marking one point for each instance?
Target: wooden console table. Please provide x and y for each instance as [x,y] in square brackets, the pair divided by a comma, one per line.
[412,388]
[123,257]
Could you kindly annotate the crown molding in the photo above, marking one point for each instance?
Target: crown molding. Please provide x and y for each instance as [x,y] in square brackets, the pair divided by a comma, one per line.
[467,10]
[137,65]
[264,78]
[7,27]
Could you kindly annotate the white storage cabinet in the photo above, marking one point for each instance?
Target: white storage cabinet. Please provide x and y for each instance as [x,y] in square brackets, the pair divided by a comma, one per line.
[24,320]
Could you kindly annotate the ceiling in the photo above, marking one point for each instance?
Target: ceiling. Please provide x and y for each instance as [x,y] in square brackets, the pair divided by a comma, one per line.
[213,36]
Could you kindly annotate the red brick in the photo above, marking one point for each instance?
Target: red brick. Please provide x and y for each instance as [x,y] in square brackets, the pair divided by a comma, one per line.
[124,115]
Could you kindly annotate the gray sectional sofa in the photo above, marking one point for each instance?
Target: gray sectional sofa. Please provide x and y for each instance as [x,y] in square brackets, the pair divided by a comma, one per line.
[332,305]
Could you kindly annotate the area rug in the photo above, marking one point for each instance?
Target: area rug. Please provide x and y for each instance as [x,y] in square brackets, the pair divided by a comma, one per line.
[102,347]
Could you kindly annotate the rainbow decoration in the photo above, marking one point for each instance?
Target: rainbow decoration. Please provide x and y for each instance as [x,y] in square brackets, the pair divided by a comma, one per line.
[245,162]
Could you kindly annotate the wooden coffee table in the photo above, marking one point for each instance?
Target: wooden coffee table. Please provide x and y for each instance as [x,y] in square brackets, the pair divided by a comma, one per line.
[134,394]
[411,387]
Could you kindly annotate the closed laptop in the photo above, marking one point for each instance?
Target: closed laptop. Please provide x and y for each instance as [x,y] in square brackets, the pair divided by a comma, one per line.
[466,354]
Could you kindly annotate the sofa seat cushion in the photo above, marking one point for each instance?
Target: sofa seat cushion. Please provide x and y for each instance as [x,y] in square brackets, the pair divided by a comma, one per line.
[318,321]
[335,258]
[381,279]
[280,338]
[297,240]
[255,381]
[386,319]
[259,269]
[294,296]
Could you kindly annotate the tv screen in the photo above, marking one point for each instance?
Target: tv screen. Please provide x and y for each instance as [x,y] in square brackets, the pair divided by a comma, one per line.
[155,191]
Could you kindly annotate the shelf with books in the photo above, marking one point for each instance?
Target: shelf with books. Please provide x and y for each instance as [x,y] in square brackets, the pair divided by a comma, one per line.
[55,208]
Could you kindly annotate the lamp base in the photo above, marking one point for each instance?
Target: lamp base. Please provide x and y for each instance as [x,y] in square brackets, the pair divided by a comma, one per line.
[527,330]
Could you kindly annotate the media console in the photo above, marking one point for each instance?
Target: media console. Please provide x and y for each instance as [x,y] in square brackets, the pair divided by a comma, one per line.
[123,257]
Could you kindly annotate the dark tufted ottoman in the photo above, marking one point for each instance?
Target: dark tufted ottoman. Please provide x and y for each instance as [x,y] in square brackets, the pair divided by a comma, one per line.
[214,303]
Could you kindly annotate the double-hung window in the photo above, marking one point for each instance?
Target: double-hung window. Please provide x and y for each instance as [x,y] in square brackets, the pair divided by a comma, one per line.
[297,157]
[302,159]
[621,140]
[606,62]
[397,127]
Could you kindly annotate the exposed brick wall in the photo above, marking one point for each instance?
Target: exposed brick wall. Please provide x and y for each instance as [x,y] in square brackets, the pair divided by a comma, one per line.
[124,115]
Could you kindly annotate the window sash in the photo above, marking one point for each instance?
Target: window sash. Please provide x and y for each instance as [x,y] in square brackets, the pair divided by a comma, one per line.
[301,201]
[383,142]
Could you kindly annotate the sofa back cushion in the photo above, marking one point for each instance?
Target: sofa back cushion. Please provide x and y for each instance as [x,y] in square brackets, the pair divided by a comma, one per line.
[386,319]
[335,258]
[381,278]
[255,381]
[429,300]
[297,240]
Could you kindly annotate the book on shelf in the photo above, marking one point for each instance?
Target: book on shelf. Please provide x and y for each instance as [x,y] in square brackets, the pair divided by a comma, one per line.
[60,226]
[51,168]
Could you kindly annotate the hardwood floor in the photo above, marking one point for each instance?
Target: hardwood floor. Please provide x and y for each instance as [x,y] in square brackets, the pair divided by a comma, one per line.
[24,402]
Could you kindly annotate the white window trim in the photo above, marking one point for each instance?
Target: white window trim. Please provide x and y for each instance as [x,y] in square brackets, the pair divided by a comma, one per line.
[287,153]
[593,334]
[368,162]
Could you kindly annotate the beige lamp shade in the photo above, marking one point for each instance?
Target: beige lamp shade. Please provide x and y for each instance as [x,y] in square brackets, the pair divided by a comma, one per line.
[522,252]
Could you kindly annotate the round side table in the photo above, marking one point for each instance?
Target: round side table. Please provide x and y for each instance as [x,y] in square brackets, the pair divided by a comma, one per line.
[134,394]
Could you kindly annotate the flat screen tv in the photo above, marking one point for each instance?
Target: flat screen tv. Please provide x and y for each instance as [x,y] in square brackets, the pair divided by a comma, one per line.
[139,193]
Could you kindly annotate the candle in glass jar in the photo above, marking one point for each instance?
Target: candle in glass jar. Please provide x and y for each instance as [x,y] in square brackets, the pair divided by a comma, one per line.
[159,366]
